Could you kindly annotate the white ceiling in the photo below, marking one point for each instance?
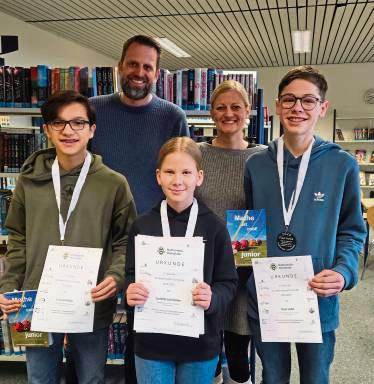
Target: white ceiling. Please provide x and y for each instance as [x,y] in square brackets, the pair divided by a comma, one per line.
[216,33]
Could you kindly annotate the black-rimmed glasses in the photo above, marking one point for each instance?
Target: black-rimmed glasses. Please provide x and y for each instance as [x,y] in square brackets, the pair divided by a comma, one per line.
[75,125]
[288,101]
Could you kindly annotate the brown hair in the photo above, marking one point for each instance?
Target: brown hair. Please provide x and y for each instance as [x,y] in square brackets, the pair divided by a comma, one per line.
[180,144]
[308,73]
[52,106]
[142,40]
[229,85]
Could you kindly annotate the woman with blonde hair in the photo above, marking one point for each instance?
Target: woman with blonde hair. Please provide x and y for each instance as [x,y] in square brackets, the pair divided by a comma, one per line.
[223,163]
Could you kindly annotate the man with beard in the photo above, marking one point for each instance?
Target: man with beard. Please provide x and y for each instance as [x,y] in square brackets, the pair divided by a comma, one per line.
[131,127]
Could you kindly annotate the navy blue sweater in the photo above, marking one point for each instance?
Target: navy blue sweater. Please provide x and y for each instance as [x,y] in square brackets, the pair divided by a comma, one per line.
[327,221]
[129,138]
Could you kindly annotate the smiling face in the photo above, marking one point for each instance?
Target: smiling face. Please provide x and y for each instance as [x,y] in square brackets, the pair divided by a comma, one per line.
[138,71]
[229,113]
[296,121]
[178,177]
[71,146]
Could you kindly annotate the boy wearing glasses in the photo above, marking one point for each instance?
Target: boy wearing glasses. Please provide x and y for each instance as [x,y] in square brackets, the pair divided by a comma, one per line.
[101,218]
[324,220]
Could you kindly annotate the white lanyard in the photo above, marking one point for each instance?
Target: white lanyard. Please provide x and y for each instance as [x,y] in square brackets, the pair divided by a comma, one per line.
[77,190]
[191,220]
[287,213]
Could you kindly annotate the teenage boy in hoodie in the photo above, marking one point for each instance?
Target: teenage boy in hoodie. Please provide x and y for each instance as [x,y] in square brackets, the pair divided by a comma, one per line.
[103,214]
[326,222]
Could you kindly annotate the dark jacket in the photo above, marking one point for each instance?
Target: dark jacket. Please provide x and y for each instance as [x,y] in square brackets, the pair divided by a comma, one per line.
[219,273]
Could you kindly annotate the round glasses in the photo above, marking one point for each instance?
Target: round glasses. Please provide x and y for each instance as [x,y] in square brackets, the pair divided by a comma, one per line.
[75,125]
[307,102]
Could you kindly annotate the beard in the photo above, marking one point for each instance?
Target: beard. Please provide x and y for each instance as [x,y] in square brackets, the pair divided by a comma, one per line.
[135,93]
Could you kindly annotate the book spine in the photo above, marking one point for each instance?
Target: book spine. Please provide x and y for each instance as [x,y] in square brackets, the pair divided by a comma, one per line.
[8,81]
[185,89]
[204,84]
[8,347]
[191,89]
[42,87]
[83,81]
[178,88]
[26,88]
[17,86]
[197,89]
[170,87]
[2,87]
[34,86]
[211,81]
[99,81]
[110,86]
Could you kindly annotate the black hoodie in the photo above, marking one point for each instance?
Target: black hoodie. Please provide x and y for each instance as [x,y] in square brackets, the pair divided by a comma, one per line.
[219,273]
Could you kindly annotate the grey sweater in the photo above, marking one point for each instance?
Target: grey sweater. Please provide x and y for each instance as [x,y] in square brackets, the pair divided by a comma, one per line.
[223,189]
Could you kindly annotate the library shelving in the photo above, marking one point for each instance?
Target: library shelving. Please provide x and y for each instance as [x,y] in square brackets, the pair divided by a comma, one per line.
[355,134]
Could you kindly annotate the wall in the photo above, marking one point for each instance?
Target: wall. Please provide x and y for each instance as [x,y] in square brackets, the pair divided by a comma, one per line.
[347,83]
[40,47]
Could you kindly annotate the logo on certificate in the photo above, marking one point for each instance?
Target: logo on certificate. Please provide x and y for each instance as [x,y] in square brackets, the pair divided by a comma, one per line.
[273,266]
[161,250]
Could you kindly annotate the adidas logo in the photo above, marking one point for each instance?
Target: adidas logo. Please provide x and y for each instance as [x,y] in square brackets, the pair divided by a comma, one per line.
[319,196]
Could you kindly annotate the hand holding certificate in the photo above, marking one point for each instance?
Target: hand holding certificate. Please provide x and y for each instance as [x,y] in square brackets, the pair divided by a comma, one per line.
[288,308]
[63,303]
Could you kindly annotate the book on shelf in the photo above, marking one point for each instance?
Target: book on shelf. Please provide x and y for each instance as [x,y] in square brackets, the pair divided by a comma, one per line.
[22,87]
[192,88]
[247,229]
[339,134]
[20,321]
[5,199]
[362,178]
[6,347]
[371,179]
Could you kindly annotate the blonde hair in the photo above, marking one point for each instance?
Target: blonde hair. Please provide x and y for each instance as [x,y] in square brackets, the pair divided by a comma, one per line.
[180,144]
[229,85]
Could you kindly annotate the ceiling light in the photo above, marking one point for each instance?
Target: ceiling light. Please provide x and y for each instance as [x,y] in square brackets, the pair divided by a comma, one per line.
[171,47]
[302,41]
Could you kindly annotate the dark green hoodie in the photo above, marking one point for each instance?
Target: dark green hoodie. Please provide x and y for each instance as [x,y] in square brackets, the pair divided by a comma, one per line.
[101,219]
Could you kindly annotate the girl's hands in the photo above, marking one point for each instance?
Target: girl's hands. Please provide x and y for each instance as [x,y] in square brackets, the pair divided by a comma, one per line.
[136,294]
[202,295]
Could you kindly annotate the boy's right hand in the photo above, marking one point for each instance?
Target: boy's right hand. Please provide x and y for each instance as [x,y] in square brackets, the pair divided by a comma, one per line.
[8,306]
[136,294]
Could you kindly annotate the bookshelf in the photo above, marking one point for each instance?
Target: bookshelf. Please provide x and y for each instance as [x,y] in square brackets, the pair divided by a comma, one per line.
[355,134]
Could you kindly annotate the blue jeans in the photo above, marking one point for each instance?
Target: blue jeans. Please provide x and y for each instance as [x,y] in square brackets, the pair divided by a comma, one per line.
[314,359]
[89,351]
[170,372]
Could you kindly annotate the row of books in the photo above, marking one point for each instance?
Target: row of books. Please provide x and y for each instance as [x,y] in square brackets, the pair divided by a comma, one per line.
[191,89]
[8,182]
[22,87]
[366,178]
[16,148]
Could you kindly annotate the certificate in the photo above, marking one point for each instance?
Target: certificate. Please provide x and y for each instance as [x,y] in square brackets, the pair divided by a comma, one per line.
[288,308]
[169,267]
[63,303]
